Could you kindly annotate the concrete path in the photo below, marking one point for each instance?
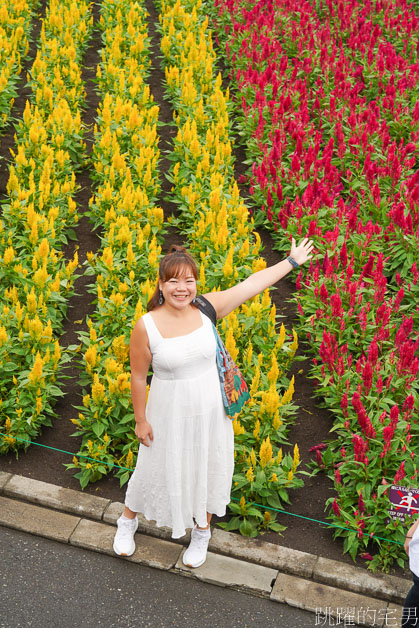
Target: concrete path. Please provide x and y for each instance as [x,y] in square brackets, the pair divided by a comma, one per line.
[54,585]
[334,591]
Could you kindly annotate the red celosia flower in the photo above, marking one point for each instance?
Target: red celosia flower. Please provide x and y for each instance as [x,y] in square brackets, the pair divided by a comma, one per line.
[336,508]
[401,473]
[367,377]
[318,447]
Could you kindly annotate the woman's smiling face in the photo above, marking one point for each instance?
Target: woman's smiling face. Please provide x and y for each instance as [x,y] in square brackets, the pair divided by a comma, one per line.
[179,291]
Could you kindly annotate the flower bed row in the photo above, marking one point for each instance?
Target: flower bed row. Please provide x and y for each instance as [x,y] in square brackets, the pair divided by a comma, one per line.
[36,281]
[125,172]
[331,121]
[221,237]
[15,30]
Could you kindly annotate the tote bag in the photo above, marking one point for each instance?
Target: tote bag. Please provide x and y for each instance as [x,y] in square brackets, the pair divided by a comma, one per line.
[234,390]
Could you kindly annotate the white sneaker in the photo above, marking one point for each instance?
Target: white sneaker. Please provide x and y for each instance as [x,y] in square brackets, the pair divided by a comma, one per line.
[196,553]
[123,543]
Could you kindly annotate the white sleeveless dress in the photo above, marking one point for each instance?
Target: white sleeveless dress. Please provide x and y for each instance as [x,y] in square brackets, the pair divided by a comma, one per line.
[187,470]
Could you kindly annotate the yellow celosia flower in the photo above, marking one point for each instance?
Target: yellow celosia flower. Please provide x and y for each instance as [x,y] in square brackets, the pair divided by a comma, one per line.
[274,371]
[120,349]
[91,356]
[253,458]
[3,335]
[122,382]
[250,476]
[57,352]
[237,427]
[107,257]
[290,477]
[276,423]
[281,337]
[43,249]
[249,353]
[35,374]
[270,400]
[255,382]
[256,430]
[40,277]
[296,460]
[265,452]
[267,517]
[278,458]
[117,299]
[294,344]
[244,251]
[258,264]
[98,389]
[38,407]
[129,459]
[287,396]
[9,255]
[274,478]
[230,344]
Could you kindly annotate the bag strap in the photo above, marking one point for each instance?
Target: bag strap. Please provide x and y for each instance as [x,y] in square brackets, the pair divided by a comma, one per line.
[206,308]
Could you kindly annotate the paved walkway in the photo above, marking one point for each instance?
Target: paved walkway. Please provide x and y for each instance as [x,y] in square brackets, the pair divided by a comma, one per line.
[328,588]
[70,587]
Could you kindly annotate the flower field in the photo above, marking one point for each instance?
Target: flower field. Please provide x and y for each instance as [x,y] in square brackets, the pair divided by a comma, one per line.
[329,118]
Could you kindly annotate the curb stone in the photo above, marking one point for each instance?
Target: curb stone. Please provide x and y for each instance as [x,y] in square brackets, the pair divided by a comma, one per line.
[381,586]
[149,550]
[267,554]
[4,478]
[230,572]
[297,578]
[56,497]
[324,601]
[36,520]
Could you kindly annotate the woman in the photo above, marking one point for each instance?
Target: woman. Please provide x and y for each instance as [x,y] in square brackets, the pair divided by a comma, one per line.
[185,464]
[410,616]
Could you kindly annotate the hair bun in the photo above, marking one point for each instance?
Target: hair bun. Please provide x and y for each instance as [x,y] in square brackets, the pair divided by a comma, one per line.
[175,248]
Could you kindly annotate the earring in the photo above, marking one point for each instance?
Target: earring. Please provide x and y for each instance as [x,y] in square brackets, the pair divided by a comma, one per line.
[161,298]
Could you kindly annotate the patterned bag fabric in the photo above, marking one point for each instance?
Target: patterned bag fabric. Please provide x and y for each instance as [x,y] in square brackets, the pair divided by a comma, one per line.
[234,389]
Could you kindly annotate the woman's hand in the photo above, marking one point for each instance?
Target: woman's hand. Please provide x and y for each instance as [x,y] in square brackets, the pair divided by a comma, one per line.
[225,301]
[144,433]
[301,253]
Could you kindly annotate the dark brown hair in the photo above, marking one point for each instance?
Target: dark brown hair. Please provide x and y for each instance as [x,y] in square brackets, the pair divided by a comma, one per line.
[174,264]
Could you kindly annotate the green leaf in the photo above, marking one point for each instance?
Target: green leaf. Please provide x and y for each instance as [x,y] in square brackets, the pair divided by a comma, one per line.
[254,512]
[277,527]
[98,429]
[246,528]
[273,501]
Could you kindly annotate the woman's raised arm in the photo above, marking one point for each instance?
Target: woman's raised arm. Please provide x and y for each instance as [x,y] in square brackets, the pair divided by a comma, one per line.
[226,301]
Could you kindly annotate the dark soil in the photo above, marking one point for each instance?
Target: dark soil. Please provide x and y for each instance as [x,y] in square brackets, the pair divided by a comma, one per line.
[311,425]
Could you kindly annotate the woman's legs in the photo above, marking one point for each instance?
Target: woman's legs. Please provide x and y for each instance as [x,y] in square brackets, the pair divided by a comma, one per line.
[209,515]
[128,513]
[196,553]
[127,524]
